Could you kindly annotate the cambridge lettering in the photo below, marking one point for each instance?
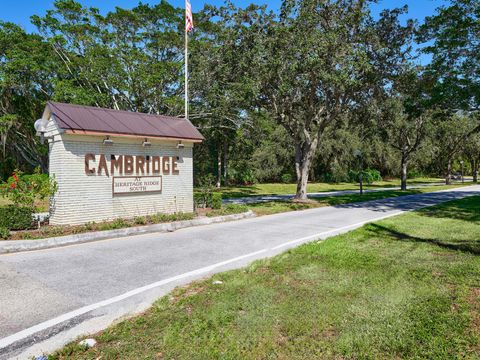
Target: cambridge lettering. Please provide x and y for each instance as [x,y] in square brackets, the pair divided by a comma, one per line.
[130,165]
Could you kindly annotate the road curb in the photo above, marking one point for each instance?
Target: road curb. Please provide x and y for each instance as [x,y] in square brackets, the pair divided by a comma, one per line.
[12,246]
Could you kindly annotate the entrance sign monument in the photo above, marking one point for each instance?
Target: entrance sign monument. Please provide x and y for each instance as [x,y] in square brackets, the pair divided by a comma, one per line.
[112,164]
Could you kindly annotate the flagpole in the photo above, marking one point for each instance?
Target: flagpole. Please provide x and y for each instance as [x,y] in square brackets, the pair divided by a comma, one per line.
[186,68]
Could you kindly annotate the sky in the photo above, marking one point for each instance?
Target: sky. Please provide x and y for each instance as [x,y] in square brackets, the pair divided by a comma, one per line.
[19,11]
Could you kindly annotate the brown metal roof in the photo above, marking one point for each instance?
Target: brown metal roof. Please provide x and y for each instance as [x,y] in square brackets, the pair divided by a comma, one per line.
[89,119]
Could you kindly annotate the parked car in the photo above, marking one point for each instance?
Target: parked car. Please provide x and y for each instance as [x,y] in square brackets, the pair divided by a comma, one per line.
[456,176]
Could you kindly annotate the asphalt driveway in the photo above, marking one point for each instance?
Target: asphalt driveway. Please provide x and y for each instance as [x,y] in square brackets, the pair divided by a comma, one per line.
[52,296]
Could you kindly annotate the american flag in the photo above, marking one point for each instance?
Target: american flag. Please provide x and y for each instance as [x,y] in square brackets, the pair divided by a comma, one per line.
[188,16]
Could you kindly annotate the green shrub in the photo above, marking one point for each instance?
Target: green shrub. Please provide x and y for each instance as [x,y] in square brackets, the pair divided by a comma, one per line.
[55,230]
[4,233]
[23,189]
[216,202]
[369,176]
[118,224]
[247,177]
[287,178]
[353,175]
[113,225]
[161,218]
[207,199]
[413,174]
[91,225]
[200,199]
[197,199]
[182,216]
[140,220]
[242,176]
[326,177]
[264,164]
[338,173]
[35,177]
[26,236]
[16,217]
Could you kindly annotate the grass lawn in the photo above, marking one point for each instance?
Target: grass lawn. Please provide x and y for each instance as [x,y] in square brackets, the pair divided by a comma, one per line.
[279,188]
[273,207]
[404,287]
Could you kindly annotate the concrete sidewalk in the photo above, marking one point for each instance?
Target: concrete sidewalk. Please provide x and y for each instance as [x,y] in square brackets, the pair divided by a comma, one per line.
[52,296]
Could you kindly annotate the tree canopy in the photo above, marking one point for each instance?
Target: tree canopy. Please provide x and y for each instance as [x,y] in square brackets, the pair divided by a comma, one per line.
[278,95]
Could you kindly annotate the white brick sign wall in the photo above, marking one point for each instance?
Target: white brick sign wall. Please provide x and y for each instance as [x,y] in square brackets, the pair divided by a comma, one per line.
[85,196]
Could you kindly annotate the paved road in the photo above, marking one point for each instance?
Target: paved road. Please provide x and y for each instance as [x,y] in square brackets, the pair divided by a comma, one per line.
[253,199]
[51,296]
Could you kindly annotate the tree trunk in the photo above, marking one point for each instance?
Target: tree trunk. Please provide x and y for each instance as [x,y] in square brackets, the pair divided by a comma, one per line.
[312,176]
[449,171]
[225,163]
[404,164]
[475,170]
[302,181]
[304,154]
[219,168]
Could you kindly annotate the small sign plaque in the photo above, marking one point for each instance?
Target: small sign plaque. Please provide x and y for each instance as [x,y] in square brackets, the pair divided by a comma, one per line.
[136,184]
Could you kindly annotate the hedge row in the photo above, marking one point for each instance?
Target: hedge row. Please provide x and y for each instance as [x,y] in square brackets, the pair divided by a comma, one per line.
[14,217]
[207,200]
[369,176]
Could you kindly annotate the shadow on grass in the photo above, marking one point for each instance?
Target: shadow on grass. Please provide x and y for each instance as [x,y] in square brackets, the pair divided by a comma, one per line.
[279,189]
[412,199]
[471,246]
[253,191]
[368,196]
[458,210]
[239,191]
